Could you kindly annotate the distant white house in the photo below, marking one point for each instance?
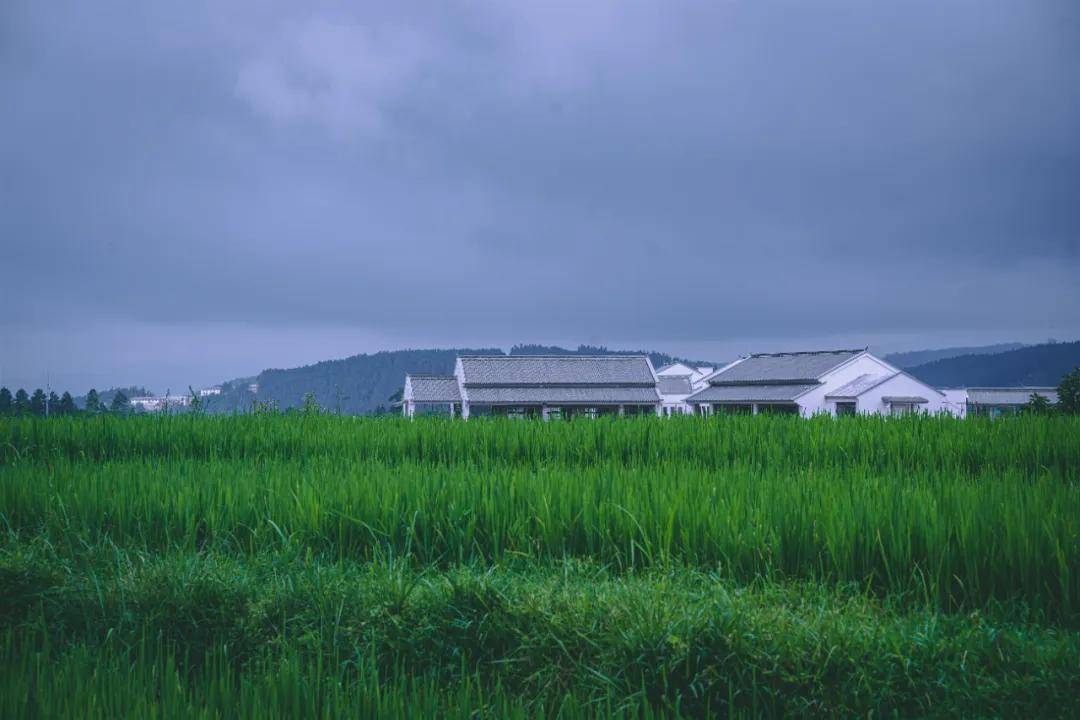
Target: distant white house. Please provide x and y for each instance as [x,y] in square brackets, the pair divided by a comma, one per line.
[158,403]
[696,374]
[208,391]
[674,389]
[837,382]
[678,381]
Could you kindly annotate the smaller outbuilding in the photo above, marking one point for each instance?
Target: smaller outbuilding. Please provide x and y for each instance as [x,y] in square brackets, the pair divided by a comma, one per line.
[997,401]
[696,374]
[674,389]
[431,395]
[678,381]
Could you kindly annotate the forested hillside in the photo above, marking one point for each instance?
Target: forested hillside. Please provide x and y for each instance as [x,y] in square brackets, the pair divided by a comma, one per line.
[914,358]
[1034,365]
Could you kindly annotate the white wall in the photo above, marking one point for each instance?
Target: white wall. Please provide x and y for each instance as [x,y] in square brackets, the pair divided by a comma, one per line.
[956,402]
[865,364]
[677,403]
[900,385]
[459,373]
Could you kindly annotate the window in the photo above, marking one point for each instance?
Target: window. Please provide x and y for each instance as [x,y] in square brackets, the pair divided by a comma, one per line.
[733,409]
[779,409]
[901,408]
[845,408]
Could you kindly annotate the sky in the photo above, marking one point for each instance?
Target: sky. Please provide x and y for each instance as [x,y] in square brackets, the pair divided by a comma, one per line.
[192,192]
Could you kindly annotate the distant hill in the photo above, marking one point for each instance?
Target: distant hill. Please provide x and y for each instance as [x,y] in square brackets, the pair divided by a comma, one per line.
[364,384]
[1031,365]
[915,358]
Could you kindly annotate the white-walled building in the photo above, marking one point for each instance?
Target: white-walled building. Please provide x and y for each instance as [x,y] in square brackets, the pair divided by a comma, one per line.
[678,381]
[430,394]
[837,382]
[956,401]
[158,403]
[548,386]
[695,374]
[674,389]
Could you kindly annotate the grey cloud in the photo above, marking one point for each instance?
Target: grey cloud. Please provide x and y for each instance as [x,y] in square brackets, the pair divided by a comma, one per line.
[491,172]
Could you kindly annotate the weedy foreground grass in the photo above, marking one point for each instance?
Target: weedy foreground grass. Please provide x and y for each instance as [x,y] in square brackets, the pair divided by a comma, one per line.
[761,566]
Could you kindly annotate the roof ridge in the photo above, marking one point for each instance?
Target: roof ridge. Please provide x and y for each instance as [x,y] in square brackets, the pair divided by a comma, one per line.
[810,352]
[575,356]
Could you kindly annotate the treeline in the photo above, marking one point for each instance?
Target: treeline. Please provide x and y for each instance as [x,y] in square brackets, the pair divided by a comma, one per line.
[1037,365]
[41,404]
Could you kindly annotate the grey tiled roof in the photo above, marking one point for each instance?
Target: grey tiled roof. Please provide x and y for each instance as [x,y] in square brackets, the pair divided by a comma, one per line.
[434,388]
[804,367]
[538,395]
[674,385]
[749,393]
[546,370]
[904,399]
[859,385]
[1009,396]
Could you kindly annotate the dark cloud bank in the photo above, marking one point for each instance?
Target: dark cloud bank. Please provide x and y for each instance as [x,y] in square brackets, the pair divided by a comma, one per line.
[200,190]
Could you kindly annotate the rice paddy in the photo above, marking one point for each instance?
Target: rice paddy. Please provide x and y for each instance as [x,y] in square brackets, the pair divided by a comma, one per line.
[753,566]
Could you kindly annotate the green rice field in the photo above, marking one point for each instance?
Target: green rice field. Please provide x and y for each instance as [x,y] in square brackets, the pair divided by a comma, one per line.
[315,565]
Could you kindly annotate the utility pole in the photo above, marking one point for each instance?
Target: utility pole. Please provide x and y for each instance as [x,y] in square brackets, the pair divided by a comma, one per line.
[48,392]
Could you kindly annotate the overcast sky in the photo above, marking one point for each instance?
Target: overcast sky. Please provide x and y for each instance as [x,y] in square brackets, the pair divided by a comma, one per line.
[194,191]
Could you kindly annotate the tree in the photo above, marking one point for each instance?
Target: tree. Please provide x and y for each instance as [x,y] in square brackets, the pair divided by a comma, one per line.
[54,403]
[120,404]
[1038,405]
[1069,393]
[93,402]
[310,406]
[37,403]
[66,406]
[6,401]
[22,403]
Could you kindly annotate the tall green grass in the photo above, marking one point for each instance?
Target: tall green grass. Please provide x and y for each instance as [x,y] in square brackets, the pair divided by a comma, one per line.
[959,513]
[961,541]
[875,444]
